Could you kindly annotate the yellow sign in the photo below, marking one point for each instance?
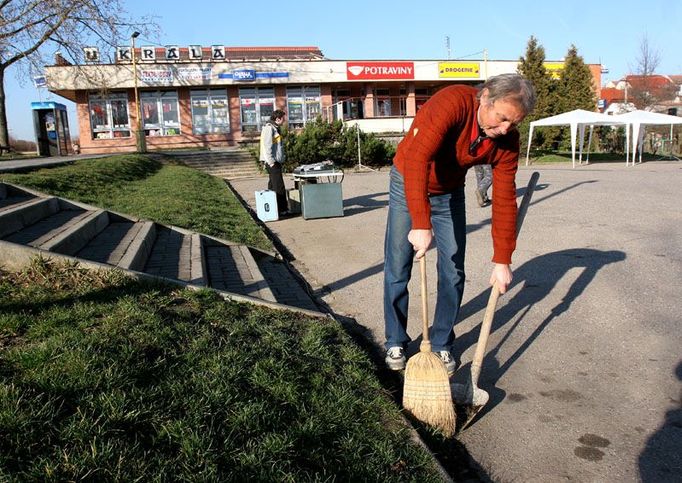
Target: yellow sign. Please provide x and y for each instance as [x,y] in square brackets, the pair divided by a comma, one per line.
[554,69]
[450,70]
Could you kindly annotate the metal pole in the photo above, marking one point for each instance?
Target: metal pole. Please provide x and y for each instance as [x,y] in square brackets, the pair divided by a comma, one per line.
[139,135]
[485,63]
[359,152]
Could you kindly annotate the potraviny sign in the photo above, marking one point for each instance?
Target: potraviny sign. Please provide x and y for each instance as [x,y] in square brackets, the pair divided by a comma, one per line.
[379,70]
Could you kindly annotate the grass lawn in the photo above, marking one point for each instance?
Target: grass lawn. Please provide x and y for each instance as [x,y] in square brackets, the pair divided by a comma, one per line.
[106,379]
[103,378]
[167,193]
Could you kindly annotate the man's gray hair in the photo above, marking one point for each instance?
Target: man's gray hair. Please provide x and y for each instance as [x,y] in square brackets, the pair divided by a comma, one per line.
[513,88]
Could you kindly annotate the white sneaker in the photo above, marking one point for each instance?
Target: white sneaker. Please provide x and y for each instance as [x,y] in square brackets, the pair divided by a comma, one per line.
[395,358]
[449,361]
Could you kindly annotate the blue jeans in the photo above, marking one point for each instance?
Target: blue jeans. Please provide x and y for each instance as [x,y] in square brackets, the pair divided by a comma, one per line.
[448,218]
[484,178]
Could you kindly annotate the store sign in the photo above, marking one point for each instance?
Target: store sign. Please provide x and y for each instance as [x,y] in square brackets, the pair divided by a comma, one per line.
[156,76]
[91,54]
[379,70]
[124,54]
[39,81]
[218,52]
[250,75]
[148,54]
[244,75]
[458,70]
[193,73]
[172,52]
[167,76]
[554,69]
[195,52]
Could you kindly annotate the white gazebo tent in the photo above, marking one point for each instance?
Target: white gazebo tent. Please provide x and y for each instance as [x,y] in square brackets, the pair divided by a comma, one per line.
[577,120]
[638,118]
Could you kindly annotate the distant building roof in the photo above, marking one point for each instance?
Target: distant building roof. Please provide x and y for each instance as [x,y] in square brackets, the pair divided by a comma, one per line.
[612,94]
[295,53]
[654,81]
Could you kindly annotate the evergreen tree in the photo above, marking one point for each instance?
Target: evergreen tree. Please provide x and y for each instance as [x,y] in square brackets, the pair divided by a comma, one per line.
[576,85]
[532,68]
[575,90]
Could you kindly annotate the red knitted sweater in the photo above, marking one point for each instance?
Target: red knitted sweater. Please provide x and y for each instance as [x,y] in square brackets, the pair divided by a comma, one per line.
[433,158]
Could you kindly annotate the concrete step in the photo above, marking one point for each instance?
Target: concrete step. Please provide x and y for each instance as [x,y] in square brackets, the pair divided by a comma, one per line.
[26,212]
[233,268]
[11,201]
[285,287]
[125,244]
[30,220]
[77,234]
[225,164]
[176,255]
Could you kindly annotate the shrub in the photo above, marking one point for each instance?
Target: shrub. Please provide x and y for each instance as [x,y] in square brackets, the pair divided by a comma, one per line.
[321,140]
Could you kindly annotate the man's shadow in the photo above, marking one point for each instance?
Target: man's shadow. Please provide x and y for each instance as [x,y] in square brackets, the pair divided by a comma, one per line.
[538,277]
[364,203]
[661,458]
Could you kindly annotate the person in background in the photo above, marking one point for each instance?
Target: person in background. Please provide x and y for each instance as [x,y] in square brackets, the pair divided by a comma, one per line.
[457,128]
[484,178]
[272,154]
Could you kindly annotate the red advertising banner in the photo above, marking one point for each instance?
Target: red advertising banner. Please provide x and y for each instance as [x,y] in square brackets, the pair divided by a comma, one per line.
[379,70]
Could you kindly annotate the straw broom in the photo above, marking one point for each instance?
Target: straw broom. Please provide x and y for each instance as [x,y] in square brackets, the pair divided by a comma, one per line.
[426,394]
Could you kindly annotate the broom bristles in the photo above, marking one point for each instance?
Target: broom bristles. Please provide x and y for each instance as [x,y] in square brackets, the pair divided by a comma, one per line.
[426,394]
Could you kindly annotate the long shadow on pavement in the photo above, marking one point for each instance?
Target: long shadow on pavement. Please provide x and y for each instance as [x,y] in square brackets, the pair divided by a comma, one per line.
[661,458]
[539,276]
[364,203]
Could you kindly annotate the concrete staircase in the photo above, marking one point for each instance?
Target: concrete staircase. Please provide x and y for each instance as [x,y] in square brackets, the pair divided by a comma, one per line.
[33,223]
[227,163]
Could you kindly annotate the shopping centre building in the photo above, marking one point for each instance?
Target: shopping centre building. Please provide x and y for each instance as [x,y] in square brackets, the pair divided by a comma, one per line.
[198,96]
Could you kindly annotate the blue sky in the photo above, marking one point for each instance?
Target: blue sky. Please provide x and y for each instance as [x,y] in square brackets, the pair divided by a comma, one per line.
[606,32]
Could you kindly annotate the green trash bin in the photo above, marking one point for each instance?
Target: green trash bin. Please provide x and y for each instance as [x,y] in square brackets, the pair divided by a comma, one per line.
[321,200]
[320,190]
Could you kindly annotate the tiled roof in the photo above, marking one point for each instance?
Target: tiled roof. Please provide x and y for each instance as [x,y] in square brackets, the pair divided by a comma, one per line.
[309,53]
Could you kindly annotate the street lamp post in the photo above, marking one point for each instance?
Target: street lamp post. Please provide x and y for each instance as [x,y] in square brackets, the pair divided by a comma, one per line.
[139,134]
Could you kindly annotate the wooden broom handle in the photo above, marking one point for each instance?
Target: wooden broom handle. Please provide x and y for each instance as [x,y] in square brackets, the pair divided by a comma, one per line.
[425,306]
[495,291]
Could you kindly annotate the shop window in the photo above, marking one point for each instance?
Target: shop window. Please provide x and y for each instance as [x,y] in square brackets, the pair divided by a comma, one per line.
[109,115]
[210,111]
[403,101]
[160,113]
[383,103]
[351,107]
[303,105]
[421,95]
[256,107]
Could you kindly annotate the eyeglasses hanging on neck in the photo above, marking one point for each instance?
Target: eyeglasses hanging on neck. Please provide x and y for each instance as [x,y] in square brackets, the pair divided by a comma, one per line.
[474,144]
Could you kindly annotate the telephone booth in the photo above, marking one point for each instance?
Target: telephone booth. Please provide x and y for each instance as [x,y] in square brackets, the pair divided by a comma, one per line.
[51,126]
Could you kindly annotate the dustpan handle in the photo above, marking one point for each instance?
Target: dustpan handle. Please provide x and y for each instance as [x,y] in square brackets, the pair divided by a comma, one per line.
[425,345]
[495,291]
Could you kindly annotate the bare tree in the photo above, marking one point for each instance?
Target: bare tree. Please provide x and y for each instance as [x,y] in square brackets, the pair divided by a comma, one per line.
[646,89]
[32,30]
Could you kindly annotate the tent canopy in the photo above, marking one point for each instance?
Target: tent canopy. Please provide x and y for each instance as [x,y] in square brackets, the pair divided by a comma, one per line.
[577,120]
[578,116]
[638,118]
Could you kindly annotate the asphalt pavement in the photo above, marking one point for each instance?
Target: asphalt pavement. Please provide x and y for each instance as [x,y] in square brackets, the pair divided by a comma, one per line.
[26,164]
[584,361]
